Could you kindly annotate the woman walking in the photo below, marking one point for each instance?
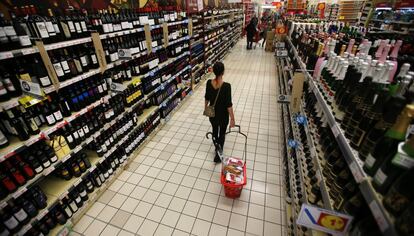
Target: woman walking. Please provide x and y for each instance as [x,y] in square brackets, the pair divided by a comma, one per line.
[250,32]
[218,94]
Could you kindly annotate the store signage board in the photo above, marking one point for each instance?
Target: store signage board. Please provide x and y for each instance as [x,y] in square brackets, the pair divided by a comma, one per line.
[31,88]
[280,45]
[281,53]
[282,98]
[324,220]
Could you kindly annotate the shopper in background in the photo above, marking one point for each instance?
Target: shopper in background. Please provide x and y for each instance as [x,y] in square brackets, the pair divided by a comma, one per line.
[251,31]
[223,105]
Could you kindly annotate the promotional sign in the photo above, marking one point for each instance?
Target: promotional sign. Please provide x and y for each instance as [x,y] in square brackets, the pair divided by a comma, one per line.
[278,5]
[281,30]
[321,8]
[324,220]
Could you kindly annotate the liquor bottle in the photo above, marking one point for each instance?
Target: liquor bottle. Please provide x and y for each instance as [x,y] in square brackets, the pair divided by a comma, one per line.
[395,162]
[392,108]
[9,220]
[19,213]
[389,142]
[28,206]
[404,223]
[400,195]
[39,198]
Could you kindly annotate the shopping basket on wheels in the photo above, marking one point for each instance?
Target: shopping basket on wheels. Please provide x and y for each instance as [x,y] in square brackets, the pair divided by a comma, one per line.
[232,189]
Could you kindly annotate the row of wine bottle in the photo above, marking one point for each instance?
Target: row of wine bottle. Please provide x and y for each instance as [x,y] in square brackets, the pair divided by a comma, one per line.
[28,23]
[18,213]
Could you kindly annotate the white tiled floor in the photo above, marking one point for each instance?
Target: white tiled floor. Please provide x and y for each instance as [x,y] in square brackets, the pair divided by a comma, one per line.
[173,186]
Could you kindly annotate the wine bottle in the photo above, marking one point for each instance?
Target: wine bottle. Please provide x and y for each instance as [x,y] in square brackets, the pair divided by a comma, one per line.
[389,142]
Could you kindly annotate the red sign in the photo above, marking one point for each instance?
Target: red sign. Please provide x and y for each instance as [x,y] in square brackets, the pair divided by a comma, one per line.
[278,5]
[321,9]
[281,30]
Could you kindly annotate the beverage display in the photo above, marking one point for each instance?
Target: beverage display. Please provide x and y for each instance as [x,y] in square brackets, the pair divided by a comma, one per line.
[88,106]
[357,100]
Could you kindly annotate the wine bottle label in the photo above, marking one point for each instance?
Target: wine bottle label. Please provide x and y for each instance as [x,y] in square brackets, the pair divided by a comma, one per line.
[104,86]
[3,90]
[50,119]
[105,28]
[402,159]
[65,66]
[106,175]
[50,29]
[68,211]
[58,69]
[9,85]
[2,33]
[58,115]
[69,139]
[83,26]
[24,41]
[41,26]
[39,169]
[83,193]
[81,133]
[111,171]
[113,56]
[33,125]
[75,135]
[37,121]
[84,61]
[45,81]
[56,27]
[20,215]
[9,31]
[71,27]
[104,147]
[86,129]
[53,159]
[100,88]
[94,59]
[78,66]
[370,161]
[78,28]
[111,139]
[98,180]
[46,164]
[125,25]
[380,177]
[107,142]
[11,223]
[66,30]
[73,206]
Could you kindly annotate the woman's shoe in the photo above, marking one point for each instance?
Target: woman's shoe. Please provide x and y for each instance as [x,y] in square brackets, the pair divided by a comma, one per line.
[217,159]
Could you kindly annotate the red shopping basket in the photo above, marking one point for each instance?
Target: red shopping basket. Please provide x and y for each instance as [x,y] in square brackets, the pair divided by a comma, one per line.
[232,190]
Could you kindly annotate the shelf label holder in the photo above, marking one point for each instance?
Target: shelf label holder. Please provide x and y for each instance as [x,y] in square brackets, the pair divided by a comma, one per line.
[148,39]
[100,53]
[48,64]
[297,90]
[165,34]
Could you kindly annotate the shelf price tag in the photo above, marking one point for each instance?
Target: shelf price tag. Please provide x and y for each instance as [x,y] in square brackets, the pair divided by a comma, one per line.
[335,130]
[324,220]
[379,217]
[356,172]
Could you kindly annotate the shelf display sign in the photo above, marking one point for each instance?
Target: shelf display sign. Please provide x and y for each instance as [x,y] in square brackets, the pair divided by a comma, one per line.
[321,8]
[324,220]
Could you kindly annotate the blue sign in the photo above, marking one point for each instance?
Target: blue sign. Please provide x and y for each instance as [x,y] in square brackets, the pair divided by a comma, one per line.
[301,119]
[293,143]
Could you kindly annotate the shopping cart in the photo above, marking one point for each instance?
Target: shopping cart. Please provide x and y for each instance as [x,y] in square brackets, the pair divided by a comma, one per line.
[232,190]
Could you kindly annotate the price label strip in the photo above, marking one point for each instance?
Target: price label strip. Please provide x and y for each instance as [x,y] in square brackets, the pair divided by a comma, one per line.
[324,220]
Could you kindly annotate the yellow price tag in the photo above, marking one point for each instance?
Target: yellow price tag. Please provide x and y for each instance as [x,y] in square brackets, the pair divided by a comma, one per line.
[341,17]
[332,222]
[136,80]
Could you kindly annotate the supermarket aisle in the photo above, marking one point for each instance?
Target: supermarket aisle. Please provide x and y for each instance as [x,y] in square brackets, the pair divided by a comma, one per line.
[173,186]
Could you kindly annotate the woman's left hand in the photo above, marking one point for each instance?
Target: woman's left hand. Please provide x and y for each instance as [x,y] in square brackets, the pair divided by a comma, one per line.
[232,123]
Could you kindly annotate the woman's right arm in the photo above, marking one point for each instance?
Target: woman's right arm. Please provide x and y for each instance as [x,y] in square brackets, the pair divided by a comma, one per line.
[206,96]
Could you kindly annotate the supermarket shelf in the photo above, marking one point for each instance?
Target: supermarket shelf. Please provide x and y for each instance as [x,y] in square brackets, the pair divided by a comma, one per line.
[383,219]
[164,103]
[93,72]
[18,52]
[56,189]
